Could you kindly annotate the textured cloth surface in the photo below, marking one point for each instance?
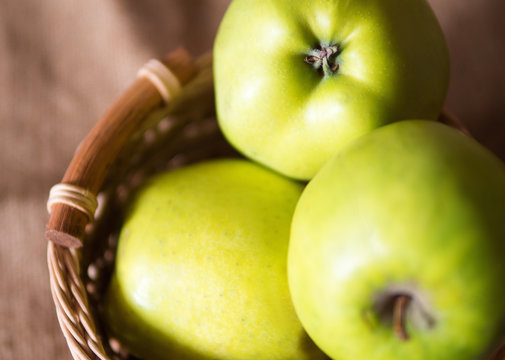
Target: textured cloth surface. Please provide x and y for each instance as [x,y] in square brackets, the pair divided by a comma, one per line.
[62,63]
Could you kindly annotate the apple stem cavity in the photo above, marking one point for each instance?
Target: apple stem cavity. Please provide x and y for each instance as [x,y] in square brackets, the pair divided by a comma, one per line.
[399,315]
[398,305]
[324,59]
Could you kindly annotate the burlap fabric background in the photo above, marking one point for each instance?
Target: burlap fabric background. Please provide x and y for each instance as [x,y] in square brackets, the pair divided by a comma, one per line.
[62,62]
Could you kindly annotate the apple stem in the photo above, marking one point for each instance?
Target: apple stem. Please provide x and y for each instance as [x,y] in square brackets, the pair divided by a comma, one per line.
[323,59]
[399,316]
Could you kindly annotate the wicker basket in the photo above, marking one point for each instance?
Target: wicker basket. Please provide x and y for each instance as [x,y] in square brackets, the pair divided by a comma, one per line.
[155,125]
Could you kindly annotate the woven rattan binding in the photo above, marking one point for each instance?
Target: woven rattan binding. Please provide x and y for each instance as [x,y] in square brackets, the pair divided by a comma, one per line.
[144,132]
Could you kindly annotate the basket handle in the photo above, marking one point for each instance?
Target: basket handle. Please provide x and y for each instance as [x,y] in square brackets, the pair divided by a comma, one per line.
[72,203]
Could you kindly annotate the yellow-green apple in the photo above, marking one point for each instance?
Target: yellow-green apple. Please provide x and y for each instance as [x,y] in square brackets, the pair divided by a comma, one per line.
[201,267]
[398,245]
[296,80]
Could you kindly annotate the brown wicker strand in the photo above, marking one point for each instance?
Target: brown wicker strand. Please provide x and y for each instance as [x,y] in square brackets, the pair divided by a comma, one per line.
[99,150]
[500,353]
[72,313]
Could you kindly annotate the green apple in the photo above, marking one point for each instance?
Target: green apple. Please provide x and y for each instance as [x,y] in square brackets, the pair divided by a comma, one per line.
[201,267]
[397,248]
[296,80]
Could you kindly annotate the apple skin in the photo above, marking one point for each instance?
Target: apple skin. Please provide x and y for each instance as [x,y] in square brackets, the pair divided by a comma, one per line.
[278,110]
[414,208]
[201,267]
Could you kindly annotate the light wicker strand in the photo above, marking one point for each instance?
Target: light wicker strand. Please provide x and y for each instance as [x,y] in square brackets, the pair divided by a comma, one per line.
[72,305]
[162,78]
[75,196]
